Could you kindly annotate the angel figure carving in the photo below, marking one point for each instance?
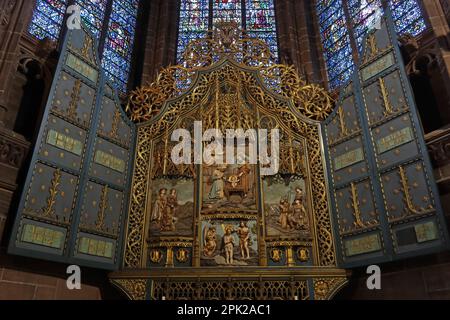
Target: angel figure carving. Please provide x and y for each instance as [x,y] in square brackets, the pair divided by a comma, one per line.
[209,241]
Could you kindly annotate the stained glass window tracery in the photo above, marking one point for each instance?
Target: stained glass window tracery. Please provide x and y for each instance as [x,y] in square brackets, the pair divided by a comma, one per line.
[111,21]
[341,21]
[199,16]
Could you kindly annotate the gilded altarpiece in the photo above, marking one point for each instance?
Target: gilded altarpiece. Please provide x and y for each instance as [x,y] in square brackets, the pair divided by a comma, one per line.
[225,231]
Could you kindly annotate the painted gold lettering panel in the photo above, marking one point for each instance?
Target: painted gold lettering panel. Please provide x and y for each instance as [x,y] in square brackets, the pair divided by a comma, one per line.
[395,141]
[64,143]
[95,247]
[348,160]
[83,68]
[363,245]
[378,66]
[110,162]
[426,231]
[42,236]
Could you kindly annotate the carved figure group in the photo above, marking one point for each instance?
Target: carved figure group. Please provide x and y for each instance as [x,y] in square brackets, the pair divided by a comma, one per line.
[293,216]
[164,210]
[228,242]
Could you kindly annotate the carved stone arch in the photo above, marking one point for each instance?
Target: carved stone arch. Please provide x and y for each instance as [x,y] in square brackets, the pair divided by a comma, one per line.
[36,77]
[422,68]
[422,62]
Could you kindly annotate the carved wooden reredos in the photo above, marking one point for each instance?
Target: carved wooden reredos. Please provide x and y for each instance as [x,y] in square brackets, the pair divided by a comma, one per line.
[183,217]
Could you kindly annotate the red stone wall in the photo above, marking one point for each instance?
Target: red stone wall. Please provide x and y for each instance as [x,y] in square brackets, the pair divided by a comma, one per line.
[30,279]
[16,284]
[419,278]
[160,38]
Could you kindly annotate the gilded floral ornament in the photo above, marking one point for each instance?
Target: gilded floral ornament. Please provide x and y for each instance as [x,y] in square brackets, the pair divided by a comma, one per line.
[228,42]
[135,289]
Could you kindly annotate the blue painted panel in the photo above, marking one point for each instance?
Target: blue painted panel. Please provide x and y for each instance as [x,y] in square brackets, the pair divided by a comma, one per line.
[386,204]
[75,200]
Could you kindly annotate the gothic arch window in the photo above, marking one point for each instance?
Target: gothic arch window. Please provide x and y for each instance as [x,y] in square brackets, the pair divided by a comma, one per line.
[113,22]
[199,16]
[343,24]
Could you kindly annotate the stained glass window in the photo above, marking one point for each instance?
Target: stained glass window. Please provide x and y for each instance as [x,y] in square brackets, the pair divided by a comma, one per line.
[119,41]
[341,21]
[261,23]
[364,15]
[194,22]
[47,18]
[228,10]
[407,16]
[336,41]
[118,15]
[199,16]
[93,13]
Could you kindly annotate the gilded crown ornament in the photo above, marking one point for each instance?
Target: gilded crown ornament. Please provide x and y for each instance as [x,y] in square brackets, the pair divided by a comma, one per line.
[227,42]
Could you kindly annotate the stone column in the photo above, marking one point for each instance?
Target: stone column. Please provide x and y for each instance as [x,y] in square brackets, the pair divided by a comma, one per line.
[14,18]
[446,7]
[299,38]
[161,38]
[439,26]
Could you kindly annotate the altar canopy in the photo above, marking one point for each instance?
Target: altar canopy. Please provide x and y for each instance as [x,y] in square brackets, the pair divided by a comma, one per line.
[353,184]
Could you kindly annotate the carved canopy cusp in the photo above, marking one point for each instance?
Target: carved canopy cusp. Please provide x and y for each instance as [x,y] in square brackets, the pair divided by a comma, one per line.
[314,102]
[146,102]
[311,100]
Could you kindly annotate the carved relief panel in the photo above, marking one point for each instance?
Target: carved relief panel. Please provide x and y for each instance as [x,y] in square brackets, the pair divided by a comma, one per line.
[239,217]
